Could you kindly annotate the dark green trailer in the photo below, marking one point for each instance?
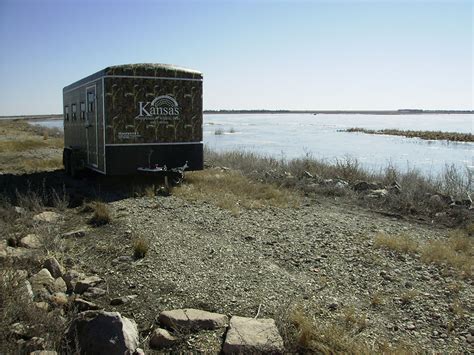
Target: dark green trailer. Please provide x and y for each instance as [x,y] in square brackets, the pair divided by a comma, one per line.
[129,118]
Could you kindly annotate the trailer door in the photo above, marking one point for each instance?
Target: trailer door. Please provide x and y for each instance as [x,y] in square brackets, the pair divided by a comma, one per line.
[91,126]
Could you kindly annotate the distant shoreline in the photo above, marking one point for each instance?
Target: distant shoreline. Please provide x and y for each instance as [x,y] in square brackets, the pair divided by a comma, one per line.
[59,116]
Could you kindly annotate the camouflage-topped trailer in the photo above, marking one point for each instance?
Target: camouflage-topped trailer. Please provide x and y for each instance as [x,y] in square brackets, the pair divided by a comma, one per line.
[136,117]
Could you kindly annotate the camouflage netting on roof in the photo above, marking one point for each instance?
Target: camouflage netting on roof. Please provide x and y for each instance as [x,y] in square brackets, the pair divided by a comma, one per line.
[151,69]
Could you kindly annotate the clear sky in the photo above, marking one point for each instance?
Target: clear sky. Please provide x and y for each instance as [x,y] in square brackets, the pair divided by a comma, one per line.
[253,54]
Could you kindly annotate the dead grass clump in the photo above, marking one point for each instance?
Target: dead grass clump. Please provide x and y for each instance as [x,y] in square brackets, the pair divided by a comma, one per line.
[456,252]
[140,247]
[377,299]
[408,297]
[101,214]
[231,190]
[354,320]
[399,243]
[313,337]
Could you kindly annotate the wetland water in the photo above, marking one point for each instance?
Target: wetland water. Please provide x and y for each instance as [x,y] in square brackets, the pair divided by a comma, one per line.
[295,135]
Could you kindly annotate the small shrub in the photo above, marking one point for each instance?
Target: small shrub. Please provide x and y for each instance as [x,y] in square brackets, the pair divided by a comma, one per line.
[353,319]
[101,214]
[376,299]
[232,130]
[219,132]
[408,297]
[140,247]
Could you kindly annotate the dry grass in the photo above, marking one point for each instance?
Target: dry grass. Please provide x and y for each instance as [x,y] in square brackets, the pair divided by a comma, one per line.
[429,135]
[305,335]
[408,297]
[448,253]
[354,320]
[312,337]
[399,243]
[140,247]
[377,299]
[30,144]
[101,214]
[413,199]
[456,251]
[233,191]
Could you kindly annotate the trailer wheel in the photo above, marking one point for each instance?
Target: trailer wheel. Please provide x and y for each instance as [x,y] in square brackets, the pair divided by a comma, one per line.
[73,165]
[67,161]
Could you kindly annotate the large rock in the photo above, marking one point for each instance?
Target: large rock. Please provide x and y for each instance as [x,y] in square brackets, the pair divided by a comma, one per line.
[195,319]
[31,241]
[99,332]
[161,338]
[54,267]
[84,284]
[249,336]
[42,280]
[94,292]
[47,217]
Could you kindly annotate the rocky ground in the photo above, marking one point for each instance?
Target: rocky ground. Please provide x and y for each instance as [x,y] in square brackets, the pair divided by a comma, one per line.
[319,256]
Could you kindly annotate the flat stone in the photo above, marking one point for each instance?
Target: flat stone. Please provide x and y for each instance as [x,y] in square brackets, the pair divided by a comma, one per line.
[94,292]
[42,305]
[31,241]
[84,284]
[122,300]
[195,319]
[161,338]
[54,267]
[59,285]
[42,280]
[99,332]
[80,233]
[19,210]
[83,305]
[249,335]
[47,217]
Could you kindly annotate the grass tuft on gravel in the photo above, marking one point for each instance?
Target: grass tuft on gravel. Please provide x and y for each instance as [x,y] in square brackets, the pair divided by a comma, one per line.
[140,247]
[233,191]
[101,214]
[456,251]
[398,243]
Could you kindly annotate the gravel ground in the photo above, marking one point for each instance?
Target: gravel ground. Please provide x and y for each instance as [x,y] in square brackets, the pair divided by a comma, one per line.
[319,256]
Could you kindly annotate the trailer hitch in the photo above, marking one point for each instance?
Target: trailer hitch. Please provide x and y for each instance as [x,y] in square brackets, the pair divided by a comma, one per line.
[175,174]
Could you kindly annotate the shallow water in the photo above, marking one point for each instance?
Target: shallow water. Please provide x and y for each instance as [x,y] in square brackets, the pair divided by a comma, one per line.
[296,135]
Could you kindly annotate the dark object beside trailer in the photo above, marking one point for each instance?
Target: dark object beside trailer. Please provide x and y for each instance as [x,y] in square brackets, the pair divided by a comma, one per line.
[127,117]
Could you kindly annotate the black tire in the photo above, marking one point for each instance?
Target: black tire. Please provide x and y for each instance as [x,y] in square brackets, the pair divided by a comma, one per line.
[67,161]
[73,170]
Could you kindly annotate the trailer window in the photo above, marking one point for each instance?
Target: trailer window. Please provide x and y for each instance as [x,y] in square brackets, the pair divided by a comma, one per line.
[82,107]
[74,111]
[66,113]
[90,101]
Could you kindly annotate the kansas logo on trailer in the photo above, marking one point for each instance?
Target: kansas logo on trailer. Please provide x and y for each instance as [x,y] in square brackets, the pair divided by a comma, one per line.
[163,107]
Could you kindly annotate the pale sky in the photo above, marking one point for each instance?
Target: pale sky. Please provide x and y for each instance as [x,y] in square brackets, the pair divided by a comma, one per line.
[320,55]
